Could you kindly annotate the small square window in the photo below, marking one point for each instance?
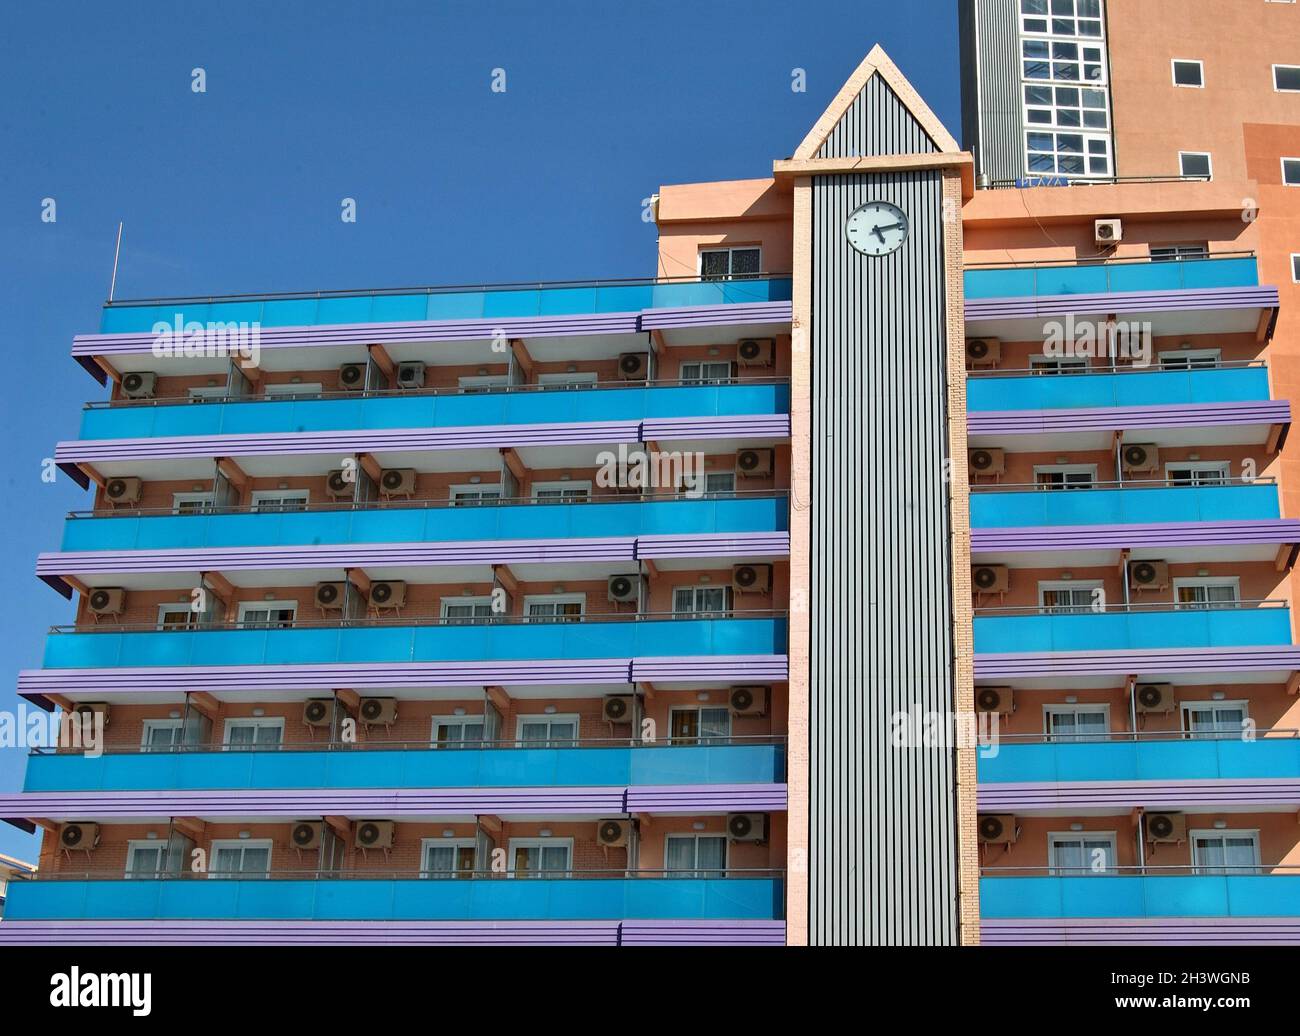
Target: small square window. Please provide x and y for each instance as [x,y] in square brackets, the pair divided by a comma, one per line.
[1295,267]
[1286,78]
[1188,73]
[1194,163]
[1291,172]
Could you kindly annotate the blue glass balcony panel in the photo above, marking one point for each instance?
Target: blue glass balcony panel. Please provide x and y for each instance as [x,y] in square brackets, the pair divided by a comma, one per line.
[429,524]
[412,768]
[1117,631]
[432,411]
[1096,278]
[1201,895]
[377,644]
[1137,506]
[467,304]
[1164,760]
[1148,388]
[412,899]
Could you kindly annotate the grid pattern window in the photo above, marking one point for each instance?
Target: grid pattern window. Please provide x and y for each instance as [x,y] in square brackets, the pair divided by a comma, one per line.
[1064,88]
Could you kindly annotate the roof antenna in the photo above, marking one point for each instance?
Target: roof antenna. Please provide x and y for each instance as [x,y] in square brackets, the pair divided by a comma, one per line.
[117,251]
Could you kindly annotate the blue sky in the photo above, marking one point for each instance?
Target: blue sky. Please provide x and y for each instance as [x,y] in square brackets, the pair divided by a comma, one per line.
[238,189]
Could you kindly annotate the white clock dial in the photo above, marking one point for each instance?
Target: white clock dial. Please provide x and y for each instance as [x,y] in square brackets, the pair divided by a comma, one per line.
[876,228]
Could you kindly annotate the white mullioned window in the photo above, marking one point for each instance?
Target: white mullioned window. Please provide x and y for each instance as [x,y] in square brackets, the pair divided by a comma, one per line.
[1225,852]
[1075,722]
[243,858]
[1081,853]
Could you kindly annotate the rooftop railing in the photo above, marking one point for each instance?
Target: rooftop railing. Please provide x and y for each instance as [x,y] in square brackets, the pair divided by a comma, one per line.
[1152,483]
[1133,609]
[1150,368]
[394,874]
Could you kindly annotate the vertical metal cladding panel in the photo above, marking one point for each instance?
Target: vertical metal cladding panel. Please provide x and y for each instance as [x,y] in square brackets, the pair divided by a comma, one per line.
[1000,140]
[882,858]
[876,124]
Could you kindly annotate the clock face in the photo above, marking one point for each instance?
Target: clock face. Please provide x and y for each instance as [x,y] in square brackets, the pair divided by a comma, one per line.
[876,228]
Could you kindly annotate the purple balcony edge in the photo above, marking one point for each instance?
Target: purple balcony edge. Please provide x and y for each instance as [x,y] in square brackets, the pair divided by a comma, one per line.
[1129,931]
[1073,796]
[1100,537]
[1128,418]
[1124,302]
[1151,662]
[393,933]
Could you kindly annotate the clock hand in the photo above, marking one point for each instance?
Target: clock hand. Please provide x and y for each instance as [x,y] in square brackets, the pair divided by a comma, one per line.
[876,231]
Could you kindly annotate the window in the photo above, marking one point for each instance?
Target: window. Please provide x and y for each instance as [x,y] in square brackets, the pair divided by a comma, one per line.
[295,390]
[567,379]
[177,617]
[700,726]
[696,856]
[203,392]
[191,503]
[1067,107]
[1211,719]
[555,608]
[280,499]
[1166,253]
[543,731]
[255,732]
[1206,592]
[1075,722]
[1070,598]
[541,857]
[480,383]
[1188,72]
[160,735]
[1291,172]
[1286,78]
[448,857]
[457,731]
[241,859]
[1065,476]
[1197,473]
[267,614]
[695,601]
[561,492]
[1190,359]
[1055,365]
[1195,163]
[465,610]
[715,482]
[146,858]
[718,264]
[706,372]
[1082,853]
[472,495]
[1225,852]
[1295,267]
[1061,61]
[1064,18]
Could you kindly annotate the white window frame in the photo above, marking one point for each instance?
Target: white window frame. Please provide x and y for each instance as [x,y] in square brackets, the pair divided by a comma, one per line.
[244,607]
[289,388]
[1295,267]
[442,843]
[696,836]
[514,844]
[1209,161]
[568,379]
[1209,704]
[1082,836]
[564,486]
[261,496]
[150,725]
[1222,833]
[701,378]
[1173,73]
[1181,582]
[454,721]
[1277,89]
[730,250]
[1200,467]
[1296,161]
[699,739]
[483,381]
[229,843]
[728,600]
[531,599]
[452,602]
[1189,354]
[683,488]
[159,844]
[1047,585]
[548,718]
[1066,469]
[204,498]
[173,607]
[1058,364]
[1090,708]
[1023,16]
[470,487]
[259,722]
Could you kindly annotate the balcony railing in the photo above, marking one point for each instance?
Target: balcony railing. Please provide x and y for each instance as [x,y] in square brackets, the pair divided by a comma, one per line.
[1154,501]
[1100,276]
[1014,390]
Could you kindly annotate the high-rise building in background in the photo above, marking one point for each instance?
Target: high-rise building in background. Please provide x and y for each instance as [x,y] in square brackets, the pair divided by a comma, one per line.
[391,640]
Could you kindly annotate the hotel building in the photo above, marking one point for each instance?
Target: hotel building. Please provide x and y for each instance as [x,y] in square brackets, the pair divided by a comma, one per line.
[383,654]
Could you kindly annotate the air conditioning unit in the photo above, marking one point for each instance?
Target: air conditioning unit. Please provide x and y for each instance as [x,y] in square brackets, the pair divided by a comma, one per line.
[749,700]
[998,829]
[337,486]
[995,699]
[1166,827]
[352,376]
[305,834]
[623,588]
[378,710]
[990,579]
[617,708]
[987,462]
[139,384]
[397,482]
[1148,575]
[1108,231]
[387,594]
[1153,697]
[756,352]
[410,375]
[329,596]
[86,711]
[747,827]
[751,579]
[107,600]
[318,712]
[612,833]
[755,463]
[123,490]
[375,834]
[1139,457]
[78,836]
[983,352]
[633,366]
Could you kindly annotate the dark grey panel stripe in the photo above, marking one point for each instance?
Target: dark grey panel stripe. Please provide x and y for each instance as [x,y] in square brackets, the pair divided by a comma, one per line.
[998,142]
[882,857]
[876,124]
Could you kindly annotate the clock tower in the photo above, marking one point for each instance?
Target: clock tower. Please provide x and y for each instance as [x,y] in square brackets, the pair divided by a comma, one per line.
[882,796]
